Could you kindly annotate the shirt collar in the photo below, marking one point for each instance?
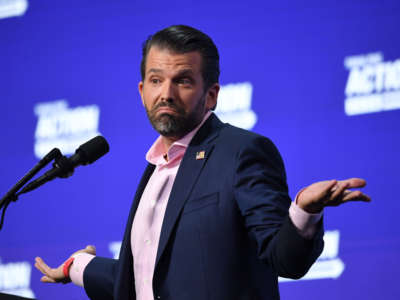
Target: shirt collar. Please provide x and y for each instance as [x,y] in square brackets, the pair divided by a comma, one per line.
[155,155]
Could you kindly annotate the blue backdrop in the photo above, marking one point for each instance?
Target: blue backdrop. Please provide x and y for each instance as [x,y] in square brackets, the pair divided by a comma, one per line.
[320,78]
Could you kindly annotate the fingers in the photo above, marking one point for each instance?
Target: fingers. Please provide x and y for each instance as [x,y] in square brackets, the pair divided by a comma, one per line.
[356,196]
[47,279]
[41,266]
[354,182]
[347,196]
[313,198]
[338,190]
[328,187]
[51,275]
[340,193]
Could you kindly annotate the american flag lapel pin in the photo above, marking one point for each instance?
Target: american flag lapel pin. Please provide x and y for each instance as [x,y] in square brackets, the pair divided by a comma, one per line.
[200,155]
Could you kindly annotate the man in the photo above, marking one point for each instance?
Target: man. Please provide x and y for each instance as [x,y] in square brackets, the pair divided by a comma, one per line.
[211,218]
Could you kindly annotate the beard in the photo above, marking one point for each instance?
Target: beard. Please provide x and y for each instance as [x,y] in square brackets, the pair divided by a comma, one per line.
[180,123]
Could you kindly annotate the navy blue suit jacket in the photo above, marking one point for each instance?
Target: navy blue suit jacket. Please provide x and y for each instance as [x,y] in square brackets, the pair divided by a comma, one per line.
[226,233]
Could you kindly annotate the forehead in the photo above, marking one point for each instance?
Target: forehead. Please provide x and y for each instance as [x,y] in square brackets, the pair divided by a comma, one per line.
[164,60]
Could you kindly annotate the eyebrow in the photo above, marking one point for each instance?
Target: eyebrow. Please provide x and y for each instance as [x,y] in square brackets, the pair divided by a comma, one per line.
[180,73]
[154,71]
[185,72]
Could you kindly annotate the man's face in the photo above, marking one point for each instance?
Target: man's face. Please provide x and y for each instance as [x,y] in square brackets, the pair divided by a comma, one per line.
[173,92]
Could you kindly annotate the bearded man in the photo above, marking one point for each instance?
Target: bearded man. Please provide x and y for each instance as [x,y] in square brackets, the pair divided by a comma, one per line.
[211,218]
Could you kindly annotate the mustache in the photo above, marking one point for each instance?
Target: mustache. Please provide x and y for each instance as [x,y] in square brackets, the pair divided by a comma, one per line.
[171,105]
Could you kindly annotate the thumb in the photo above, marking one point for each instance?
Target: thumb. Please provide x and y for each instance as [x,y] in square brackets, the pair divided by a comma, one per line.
[90,249]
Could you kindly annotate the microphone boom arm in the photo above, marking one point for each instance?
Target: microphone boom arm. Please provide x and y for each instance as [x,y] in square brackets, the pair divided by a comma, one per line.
[12,195]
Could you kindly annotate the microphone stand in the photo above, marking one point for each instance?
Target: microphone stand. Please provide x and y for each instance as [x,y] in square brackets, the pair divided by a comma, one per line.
[12,194]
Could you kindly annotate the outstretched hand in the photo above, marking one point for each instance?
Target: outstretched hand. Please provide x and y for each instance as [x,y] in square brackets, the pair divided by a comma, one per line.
[56,275]
[331,193]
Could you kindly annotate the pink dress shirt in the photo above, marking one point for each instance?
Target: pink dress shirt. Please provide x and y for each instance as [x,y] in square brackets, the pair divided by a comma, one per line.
[149,216]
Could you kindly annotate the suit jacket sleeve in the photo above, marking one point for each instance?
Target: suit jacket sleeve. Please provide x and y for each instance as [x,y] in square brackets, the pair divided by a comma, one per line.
[262,196]
[98,278]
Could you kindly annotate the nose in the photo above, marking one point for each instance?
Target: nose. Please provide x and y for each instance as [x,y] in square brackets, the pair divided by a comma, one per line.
[167,92]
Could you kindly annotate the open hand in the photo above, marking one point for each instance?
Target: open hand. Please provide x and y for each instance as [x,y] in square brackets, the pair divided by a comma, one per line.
[56,275]
[331,193]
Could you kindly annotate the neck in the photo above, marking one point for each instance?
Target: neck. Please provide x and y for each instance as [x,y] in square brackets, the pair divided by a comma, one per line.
[167,142]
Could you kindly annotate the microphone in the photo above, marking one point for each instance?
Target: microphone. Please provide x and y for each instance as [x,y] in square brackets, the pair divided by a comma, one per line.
[63,166]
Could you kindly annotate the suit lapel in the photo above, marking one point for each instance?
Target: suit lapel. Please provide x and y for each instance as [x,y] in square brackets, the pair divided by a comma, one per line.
[189,170]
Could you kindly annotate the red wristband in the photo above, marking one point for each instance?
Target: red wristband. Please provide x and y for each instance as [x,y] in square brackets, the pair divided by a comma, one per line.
[67,265]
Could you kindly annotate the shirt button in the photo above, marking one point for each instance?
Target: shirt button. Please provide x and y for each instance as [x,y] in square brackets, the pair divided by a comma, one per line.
[147,241]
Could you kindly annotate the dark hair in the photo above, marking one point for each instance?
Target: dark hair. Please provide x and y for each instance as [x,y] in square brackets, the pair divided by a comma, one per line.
[183,39]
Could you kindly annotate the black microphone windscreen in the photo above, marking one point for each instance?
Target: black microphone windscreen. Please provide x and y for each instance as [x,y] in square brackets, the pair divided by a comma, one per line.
[92,150]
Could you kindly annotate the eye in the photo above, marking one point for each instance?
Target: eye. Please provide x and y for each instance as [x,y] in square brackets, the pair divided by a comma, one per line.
[184,81]
[155,80]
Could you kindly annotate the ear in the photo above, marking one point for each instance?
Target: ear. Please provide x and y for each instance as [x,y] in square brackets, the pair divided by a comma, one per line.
[212,95]
[140,88]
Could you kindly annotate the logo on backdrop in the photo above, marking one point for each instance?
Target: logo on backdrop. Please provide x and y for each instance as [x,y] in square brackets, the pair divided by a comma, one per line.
[328,265]
[15,278]
[64,127]
[234,105]
[373,84]
[12,8]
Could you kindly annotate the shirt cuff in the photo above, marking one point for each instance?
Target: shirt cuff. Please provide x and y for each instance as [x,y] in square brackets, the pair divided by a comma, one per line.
[81,260]
[305,223]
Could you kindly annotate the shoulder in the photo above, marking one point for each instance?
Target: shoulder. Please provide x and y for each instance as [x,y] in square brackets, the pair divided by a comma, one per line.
[234,142]
[250,148]
[241,139]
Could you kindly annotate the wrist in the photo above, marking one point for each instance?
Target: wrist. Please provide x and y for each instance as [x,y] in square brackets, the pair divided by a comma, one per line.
[67,266]
[311,208]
